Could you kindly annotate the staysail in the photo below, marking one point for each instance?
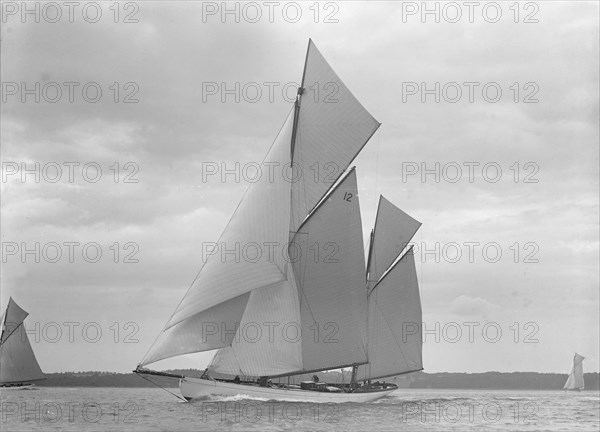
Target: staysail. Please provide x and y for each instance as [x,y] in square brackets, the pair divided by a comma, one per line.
[575,379]
[267,342]
[394,305]
[17,360]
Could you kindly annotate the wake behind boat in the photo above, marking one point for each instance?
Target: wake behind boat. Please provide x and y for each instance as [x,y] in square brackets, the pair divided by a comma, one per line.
[18,365]
[305,301]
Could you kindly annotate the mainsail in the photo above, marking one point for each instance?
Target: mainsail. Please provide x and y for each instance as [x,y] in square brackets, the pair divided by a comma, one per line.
[304,306]
[330,280]
[17,360]
[318,317]
[575,379]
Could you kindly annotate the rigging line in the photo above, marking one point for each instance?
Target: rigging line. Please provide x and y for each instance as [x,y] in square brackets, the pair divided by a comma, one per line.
[11,333]
[152,382]
[421,268]
[377,164]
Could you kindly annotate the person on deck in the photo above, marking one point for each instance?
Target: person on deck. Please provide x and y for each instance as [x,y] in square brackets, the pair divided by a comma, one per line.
[315,378]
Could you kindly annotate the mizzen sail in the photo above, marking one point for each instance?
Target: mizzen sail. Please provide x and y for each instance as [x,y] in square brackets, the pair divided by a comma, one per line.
[394,328]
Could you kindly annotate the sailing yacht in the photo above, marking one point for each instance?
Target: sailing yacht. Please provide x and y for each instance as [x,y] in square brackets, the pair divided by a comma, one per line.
[575,379]
[18,365]
[304,301]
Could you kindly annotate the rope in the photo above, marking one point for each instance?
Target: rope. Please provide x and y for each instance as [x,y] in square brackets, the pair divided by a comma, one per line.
[170,392]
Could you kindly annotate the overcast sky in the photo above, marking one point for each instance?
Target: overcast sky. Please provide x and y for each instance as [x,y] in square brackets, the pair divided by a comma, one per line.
[546,218]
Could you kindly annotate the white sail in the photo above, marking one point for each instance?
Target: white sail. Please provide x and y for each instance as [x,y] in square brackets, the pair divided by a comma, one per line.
[330,280]
[575,379]
[17,360]
[394,327]
[268,341]
[394,229]
[261,222]
[332,128]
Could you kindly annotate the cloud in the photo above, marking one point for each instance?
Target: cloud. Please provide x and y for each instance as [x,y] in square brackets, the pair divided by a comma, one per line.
[472,306]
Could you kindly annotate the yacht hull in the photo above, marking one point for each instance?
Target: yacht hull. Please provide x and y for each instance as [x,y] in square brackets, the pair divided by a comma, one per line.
[195,388]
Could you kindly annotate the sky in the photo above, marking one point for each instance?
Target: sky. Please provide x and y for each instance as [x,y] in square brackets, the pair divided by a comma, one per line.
[134,104]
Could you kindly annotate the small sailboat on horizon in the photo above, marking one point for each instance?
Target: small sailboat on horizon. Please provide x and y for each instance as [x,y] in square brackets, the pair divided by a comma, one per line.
[575,380]
[18,366]
[305,289]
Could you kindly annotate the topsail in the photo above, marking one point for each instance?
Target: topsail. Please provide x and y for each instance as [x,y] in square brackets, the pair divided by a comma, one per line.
[332,128]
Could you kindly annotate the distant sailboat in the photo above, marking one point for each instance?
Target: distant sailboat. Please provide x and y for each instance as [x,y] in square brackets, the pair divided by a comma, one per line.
[18,365]
[338,312]
[575,379]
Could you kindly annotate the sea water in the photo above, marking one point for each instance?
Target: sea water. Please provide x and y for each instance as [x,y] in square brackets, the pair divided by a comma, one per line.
[148,409]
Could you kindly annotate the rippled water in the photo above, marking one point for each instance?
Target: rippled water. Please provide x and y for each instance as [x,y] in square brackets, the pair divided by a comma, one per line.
[144,409]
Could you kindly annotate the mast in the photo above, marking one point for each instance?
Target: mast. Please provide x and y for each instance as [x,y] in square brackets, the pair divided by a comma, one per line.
[372,237]
[353,377]
[297,104]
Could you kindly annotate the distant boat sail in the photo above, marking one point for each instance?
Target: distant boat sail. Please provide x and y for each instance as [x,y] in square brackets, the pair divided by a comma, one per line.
[18,365]
[575,379]
[319,313]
